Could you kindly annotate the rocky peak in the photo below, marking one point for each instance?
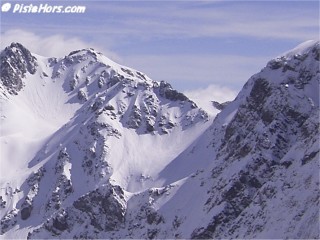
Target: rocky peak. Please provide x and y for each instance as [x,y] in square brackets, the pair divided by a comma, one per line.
[302,50]
[138,102]
[166,90]
[307,51]
[79,56]
[285,91]
[273,114]
[16,62]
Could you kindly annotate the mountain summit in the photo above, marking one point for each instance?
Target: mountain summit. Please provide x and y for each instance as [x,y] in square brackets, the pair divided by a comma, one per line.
[93,149]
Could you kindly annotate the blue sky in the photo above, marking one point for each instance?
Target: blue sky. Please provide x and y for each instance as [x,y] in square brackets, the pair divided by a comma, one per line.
[191,44]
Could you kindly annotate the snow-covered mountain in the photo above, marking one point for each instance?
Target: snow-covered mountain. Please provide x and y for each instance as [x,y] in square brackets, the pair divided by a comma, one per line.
[93,149]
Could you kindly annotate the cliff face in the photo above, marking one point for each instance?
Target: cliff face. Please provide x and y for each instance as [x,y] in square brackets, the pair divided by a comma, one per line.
[267,137]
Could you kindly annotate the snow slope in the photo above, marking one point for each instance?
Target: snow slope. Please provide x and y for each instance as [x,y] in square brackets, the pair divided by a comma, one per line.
[103,151]
[81,108]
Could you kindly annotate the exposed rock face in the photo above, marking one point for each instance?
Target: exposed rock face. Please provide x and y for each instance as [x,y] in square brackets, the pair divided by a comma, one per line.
[274,110]
[102,210]
[16,62]
[165,90]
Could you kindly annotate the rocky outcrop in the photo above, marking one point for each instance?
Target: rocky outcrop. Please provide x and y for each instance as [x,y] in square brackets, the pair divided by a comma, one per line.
[267,128]
[16,62]
[102,210]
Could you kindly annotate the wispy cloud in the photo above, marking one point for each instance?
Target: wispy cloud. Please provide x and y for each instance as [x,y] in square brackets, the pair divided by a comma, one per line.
[184,19]
[204,96]
[188,19]
[52,46]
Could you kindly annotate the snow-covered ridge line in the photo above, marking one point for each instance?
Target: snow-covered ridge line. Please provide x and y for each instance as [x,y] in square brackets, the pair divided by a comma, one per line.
[129,157]
[301,49]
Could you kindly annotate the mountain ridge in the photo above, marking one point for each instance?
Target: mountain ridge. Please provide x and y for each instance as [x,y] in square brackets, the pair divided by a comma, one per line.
[131,153]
